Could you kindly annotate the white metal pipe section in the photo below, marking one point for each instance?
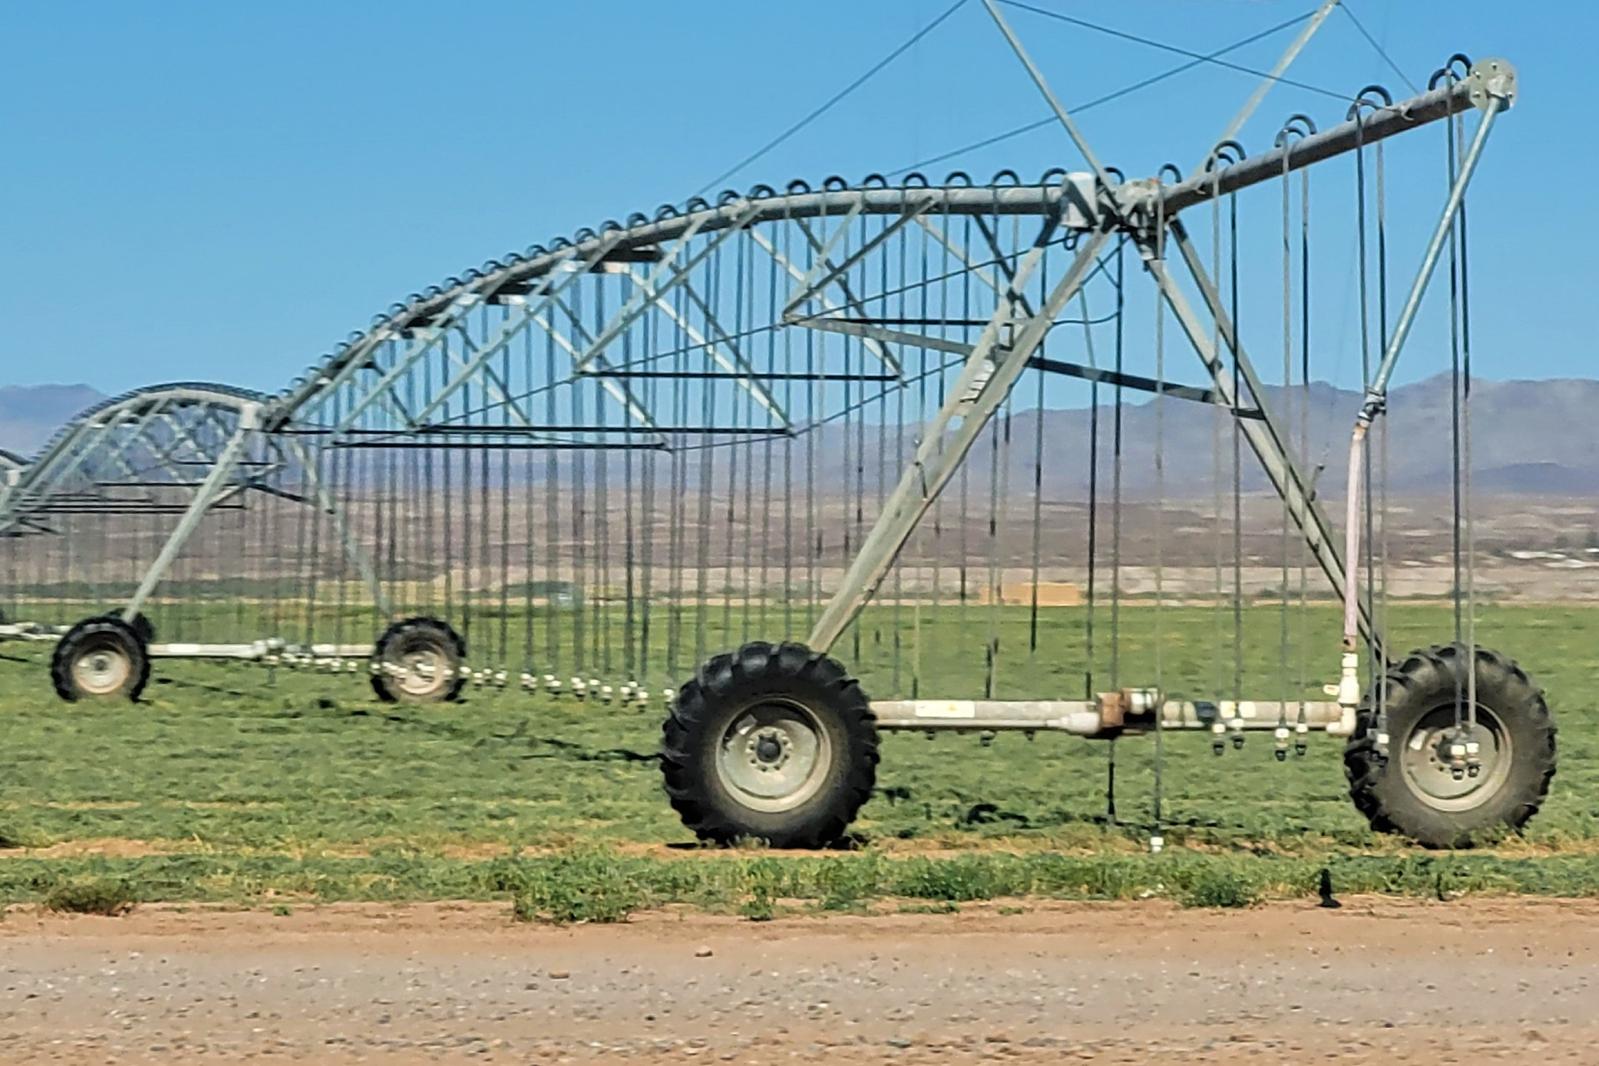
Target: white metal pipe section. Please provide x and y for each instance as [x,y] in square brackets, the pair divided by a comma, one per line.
[1090,718]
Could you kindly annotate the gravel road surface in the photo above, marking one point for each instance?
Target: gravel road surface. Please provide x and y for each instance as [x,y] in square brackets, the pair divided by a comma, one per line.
[1378,981]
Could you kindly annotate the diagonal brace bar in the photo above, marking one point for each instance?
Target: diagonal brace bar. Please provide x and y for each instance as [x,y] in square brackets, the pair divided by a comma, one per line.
[207,494]
[991,372]
[1262,433]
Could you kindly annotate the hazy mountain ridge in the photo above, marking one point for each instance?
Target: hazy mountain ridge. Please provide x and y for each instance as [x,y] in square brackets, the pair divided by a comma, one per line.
[29,414]
[1527,438]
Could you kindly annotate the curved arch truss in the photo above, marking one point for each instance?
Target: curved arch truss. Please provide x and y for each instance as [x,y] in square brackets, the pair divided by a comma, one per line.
[603,340]
[142,452]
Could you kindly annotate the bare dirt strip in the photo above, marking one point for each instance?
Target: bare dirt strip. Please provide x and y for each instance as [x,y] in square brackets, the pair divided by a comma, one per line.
[1378,981]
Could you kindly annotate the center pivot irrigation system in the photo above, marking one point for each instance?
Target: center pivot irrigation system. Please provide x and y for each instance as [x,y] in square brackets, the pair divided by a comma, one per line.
[816,411]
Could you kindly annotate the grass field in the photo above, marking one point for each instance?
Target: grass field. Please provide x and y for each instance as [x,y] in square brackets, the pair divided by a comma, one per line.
[222,787]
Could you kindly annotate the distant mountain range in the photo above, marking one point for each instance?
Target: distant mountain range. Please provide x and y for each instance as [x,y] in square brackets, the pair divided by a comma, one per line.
[1528,438]
[30,413]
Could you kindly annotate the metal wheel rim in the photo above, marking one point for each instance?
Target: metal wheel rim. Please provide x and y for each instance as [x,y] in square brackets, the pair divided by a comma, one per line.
[102,667]
[1428,776]
[774,755]
[423,669]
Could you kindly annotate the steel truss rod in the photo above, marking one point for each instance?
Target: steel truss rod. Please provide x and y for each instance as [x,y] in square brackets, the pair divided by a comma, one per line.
[620,394]
[840,271]
[1049,366]
[1261,432]
[734,362]
[451,430]
[1049,96]
[666,276]
[1500,87]
[995,364]
[1141,383]
[1295,46]
[509,446]
[822,250]
[521,316]
[41,478]
[204,497]
[851,301]
[794,272]
[739,375]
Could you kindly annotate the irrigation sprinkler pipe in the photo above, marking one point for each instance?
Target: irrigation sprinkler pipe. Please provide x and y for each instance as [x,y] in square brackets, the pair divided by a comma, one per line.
[1114,713]
[1382,123]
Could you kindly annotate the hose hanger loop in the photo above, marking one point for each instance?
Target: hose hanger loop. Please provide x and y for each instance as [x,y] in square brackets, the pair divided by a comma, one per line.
[1296,127]
[1294,130]
[1455,69]
[1228,152]
[1371,97]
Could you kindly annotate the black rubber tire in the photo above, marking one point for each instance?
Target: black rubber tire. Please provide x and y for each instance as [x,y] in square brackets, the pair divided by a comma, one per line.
[89,635]
[412,634]
[729,685]
[1422,683]
[145,628]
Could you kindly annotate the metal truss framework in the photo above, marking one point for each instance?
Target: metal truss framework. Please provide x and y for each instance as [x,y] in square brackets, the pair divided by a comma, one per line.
[677,332]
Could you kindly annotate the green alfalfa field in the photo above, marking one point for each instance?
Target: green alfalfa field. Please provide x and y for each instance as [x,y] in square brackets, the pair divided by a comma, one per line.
[232,785]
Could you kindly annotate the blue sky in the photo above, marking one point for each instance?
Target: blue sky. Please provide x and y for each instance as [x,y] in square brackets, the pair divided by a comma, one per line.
[223,191]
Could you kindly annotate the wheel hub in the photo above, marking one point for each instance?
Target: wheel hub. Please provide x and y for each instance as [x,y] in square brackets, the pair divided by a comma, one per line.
[769,750]
[102,669]
[1436,770]
[421,670]
[774,756]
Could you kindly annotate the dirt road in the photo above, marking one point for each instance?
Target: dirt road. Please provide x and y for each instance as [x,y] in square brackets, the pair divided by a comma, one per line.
[1378,981]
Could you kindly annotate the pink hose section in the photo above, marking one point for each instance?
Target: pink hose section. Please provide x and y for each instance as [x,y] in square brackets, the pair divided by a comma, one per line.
[1352,540]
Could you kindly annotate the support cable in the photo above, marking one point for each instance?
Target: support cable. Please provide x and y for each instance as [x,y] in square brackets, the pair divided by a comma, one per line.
[828,104]
[1098,101]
